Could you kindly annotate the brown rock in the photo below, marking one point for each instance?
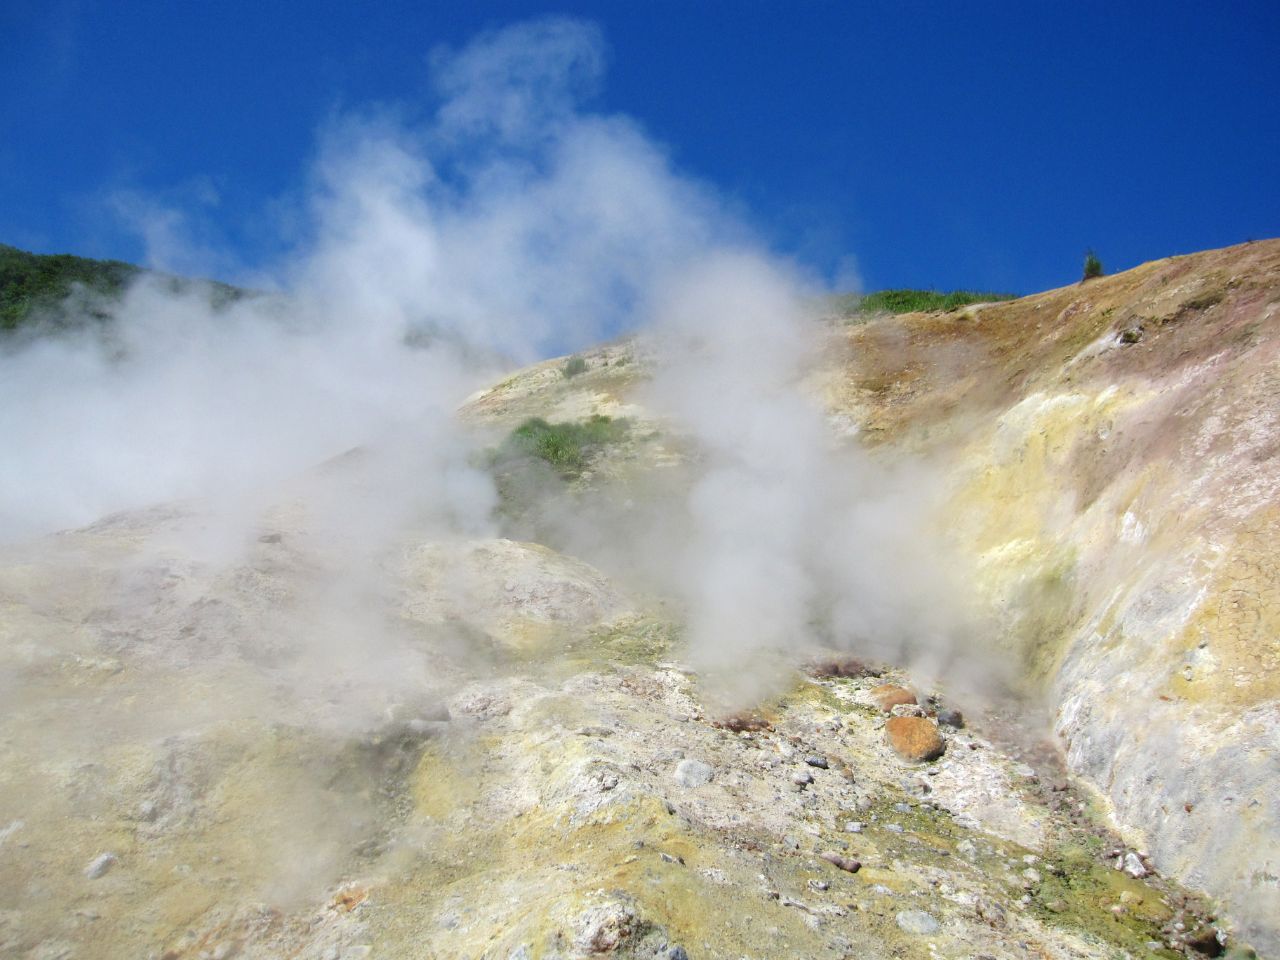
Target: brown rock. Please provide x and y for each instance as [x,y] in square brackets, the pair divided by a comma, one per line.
[1205,941]
[914,738]
[847,864]
[889,695]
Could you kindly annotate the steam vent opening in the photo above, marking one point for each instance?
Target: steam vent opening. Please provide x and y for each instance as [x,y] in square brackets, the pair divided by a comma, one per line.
[544,541]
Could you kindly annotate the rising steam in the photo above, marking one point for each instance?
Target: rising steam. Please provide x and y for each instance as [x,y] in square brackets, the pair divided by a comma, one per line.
[509,225]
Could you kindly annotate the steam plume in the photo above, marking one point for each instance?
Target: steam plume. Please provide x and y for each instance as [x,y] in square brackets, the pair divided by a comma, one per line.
[509,225]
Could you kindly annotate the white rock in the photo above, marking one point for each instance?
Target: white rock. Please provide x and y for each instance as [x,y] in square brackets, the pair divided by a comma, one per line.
[100,865]
[1134,867]
[917,921]
[693,773]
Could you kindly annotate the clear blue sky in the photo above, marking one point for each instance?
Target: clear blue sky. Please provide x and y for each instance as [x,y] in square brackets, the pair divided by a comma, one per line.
[940,144]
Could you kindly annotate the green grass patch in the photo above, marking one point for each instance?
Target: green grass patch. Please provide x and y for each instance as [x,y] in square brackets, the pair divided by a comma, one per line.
[574,366]
[537,468]
[911,301]
[567,447]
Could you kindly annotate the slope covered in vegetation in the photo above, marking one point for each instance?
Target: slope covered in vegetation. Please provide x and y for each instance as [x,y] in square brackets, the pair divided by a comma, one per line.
[911,301]
[32,283]
[66,290]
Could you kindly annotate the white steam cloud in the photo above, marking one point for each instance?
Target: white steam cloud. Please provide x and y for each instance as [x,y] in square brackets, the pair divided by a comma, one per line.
[509,225]
[792,540]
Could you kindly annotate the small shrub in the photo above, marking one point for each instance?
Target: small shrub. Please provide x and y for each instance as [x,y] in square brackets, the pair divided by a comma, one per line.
[1092,265]
[574,366]
[1205,300]
[568,447]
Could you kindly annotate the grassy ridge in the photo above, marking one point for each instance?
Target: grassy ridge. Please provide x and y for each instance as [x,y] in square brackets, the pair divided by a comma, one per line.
[68,291]
[32,283]
[911,301]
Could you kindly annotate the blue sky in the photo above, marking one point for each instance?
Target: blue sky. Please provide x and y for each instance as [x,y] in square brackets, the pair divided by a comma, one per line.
[979,145]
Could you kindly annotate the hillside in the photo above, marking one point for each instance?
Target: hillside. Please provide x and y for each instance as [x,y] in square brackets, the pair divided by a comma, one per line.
[33,284]
[493,747]
[61,289]
[1113,446]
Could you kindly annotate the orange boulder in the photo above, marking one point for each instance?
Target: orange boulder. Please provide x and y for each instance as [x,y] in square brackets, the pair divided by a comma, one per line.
[914,738]
[889,695]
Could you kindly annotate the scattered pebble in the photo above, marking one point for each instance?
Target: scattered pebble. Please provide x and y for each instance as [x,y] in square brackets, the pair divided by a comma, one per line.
[840,666]
[693,773]
[802,778]
[816,761]
[100,865]
[746,722]
[854,826]
[918,922]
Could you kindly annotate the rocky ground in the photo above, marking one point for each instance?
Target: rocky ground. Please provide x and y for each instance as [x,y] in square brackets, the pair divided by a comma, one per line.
[570,799]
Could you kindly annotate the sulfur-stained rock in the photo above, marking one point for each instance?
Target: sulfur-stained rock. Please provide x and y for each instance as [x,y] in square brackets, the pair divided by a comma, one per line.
[889,695]
[606,927]
[914,738]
